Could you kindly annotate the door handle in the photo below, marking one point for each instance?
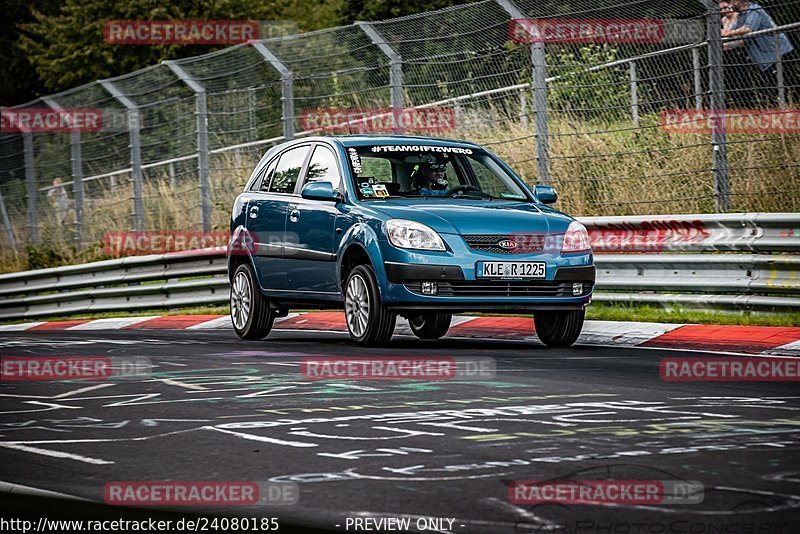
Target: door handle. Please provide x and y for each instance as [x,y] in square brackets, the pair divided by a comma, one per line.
[253,212]
[294,215]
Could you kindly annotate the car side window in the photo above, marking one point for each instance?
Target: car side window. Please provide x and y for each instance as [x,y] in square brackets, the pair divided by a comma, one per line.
[261,183]
[288,170]
[323,167]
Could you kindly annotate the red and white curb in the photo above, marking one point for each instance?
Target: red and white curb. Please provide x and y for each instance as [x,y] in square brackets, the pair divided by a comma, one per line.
[771,340]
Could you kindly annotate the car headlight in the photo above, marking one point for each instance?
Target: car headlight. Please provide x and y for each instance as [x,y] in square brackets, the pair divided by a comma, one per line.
[576,239]
[413,235]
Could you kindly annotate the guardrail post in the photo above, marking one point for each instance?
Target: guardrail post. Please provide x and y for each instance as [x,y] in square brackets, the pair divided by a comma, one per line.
[134,125]
[7,222]
[716,85]
[395,73]
[76,160]
[634,94]
[287,86]
[202,140]
[698,79]
[30,186]
[539,79]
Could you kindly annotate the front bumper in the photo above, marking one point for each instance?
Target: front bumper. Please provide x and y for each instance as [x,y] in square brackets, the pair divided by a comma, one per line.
[564,288]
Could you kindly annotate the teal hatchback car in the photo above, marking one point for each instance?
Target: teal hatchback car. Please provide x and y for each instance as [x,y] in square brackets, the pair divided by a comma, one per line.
[416,227]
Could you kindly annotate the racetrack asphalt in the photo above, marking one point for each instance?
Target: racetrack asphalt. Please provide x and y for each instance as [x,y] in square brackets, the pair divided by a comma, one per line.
[218,408]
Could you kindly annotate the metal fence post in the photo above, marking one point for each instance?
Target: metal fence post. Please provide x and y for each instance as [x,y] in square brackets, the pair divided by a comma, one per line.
[287,86]
[395,73]
[523,106]
[7,222]
[134,125]
[716,85]
[698,79]
[780,75]
[539,78]
[76,160]
[201,104]
[634,94]
[30,186]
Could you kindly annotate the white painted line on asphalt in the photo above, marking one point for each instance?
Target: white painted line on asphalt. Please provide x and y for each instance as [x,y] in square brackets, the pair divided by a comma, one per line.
[264,439]
[113,323]
[18,327]
[55,454]
[19,489]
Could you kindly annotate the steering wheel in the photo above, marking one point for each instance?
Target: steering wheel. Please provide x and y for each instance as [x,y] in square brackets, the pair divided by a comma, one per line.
[462,188]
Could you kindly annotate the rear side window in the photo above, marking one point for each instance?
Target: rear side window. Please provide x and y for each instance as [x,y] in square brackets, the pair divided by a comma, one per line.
[323,167]
[288,170]
[261,183]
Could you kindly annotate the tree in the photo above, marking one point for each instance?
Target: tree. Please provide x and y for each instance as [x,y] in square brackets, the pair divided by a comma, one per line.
[66,46]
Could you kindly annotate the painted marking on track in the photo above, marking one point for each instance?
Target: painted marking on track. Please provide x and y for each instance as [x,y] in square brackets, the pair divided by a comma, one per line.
[56,454]
[261,438]
[82,390]
[171,382]
[19,489]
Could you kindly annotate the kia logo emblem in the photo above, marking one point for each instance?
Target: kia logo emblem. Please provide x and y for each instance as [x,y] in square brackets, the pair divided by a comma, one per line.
[507,244]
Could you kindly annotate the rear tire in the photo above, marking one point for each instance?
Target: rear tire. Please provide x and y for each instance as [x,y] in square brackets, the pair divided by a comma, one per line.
[430,325]
[368,321]
[559,328]
[251,314]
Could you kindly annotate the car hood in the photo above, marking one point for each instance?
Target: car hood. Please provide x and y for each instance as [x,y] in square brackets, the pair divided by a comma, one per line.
[477,217]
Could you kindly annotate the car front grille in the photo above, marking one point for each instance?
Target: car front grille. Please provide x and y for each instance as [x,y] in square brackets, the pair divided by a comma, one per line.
[502,288]
[525,244]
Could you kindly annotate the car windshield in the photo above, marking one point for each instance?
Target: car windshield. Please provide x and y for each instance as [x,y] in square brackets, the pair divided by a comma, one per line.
[387,172]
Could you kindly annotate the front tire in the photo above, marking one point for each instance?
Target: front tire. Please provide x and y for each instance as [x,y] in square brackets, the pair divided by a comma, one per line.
[251,314]
[559,328]
[430,325]
[368,322]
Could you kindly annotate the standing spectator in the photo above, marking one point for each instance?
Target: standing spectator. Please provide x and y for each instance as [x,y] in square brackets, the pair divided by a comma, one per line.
[739,71]
[762,50]
[59,199]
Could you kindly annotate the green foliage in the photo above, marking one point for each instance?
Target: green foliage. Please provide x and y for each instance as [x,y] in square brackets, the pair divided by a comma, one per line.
[44,255]
[66,46]
[580,92]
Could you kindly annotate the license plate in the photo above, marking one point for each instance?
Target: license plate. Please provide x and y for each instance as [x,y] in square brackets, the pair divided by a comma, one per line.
[511,269]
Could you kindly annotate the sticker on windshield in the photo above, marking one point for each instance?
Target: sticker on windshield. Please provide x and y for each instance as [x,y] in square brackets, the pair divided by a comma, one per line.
[380,190]
[367,192]
[355,160]
[421,148]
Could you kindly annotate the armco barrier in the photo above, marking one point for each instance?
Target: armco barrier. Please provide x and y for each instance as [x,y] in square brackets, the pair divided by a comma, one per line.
[651,270]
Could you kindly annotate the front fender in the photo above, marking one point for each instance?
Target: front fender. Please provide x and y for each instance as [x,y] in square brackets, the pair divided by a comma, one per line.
[361,235]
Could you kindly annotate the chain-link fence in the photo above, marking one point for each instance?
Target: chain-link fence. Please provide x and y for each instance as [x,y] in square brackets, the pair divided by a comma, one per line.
[617,104]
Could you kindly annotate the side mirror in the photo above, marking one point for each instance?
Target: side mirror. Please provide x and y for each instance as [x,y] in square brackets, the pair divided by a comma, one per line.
[320,191]
[546,194]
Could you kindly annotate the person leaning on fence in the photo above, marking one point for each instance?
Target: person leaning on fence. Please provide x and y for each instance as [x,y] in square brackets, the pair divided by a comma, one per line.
[762,50]
[739,71]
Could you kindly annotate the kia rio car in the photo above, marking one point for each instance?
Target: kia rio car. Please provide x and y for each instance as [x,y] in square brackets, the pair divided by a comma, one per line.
[388,226]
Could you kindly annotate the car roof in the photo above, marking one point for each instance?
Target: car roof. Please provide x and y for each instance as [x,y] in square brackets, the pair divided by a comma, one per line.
[384,139]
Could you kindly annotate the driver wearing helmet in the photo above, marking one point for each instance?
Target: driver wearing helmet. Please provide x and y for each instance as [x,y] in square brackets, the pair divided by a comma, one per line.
[430,179]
